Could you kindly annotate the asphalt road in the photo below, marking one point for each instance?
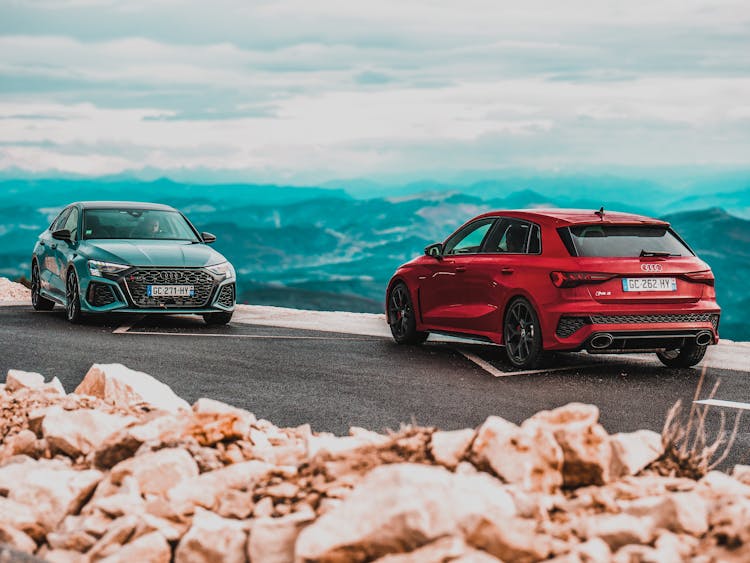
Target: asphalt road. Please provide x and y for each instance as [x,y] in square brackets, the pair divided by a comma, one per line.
[334,381]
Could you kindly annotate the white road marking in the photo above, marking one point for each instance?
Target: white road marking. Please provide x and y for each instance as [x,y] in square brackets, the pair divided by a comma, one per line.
[721,403]
[259,336]
[122,329]
[493,371]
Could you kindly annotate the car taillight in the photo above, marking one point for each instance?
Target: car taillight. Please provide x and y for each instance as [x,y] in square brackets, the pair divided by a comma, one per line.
[706,276]
[573,279]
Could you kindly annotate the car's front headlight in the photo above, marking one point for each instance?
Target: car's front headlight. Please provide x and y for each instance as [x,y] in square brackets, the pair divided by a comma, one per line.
[224,270]
[99,268]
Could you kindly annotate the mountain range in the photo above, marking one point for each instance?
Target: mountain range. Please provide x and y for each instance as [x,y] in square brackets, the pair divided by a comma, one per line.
[333,248]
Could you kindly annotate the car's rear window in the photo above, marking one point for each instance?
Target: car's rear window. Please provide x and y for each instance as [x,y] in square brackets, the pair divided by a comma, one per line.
[619,241]
[153,224]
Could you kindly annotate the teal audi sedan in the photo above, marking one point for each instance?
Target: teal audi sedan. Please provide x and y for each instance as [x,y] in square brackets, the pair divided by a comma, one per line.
[128,257]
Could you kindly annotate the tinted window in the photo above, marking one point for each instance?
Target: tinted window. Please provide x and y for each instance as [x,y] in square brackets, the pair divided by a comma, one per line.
[71,223]
[150,224]
[469,239]
[514,236]
[626,241]
[535,242]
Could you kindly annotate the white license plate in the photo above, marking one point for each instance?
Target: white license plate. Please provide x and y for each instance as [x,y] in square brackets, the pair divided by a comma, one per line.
[170,290]
[649,284]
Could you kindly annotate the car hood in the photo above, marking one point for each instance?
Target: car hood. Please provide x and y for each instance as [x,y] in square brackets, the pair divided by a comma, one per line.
[172,253]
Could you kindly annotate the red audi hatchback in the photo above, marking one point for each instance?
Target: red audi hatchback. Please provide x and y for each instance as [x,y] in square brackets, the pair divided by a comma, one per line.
[563,280]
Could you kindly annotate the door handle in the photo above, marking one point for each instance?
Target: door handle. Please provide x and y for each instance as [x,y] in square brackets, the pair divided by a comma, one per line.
[507,271]
[460,269]
[42,243]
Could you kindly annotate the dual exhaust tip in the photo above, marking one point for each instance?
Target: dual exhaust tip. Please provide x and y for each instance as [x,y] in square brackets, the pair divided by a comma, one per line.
[604,340]
[704,338]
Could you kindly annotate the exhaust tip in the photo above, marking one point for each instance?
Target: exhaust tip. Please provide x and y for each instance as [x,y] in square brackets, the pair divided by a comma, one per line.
[704,338]
[601,341]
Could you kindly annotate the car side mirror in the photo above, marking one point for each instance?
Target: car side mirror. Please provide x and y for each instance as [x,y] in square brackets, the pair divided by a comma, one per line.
[435,250]
[208,238]
[62,234]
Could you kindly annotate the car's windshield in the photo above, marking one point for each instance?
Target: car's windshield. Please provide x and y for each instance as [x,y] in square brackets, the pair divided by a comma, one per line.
[626,241]
[150,224]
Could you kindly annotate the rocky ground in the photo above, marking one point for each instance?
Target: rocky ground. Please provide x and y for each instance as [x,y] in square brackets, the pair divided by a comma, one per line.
[122,469]
[12,291]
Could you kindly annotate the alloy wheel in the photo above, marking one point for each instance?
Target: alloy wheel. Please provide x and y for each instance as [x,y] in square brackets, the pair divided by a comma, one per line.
[35,286]
[520,332]
[399,311]
[72,298]
[38,301]
[402,317]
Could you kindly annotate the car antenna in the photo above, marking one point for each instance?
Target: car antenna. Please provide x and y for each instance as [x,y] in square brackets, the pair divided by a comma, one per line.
[600,213]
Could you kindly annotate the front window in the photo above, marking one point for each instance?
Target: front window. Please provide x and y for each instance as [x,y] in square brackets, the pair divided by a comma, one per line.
[469,239]
[626,241]
[145,224]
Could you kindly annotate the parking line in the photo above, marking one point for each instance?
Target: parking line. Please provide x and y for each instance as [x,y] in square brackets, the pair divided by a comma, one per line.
[122,329]
[720,403]
[492,370]
[259,336]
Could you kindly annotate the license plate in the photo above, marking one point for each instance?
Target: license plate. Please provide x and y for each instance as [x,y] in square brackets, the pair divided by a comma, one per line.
[649,284]
[170,290]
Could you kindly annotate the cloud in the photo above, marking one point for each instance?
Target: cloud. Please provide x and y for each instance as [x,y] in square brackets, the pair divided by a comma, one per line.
[334,88]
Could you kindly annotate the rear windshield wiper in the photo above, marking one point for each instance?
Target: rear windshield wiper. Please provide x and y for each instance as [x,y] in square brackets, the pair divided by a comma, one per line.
[657,253]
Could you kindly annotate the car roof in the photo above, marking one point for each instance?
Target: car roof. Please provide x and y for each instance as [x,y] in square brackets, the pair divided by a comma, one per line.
[576,216]
[123,205]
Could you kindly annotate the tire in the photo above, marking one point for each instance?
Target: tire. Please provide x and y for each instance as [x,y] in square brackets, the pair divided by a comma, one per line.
[37,301]
[217,319]
[72,298]
[521,335]
[684,357]
[402,318]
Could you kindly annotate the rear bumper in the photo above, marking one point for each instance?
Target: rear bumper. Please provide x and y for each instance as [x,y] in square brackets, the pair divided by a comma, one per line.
[641,341]
[632,331]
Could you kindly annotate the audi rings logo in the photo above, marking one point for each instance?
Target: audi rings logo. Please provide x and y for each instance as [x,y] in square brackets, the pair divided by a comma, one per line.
[651,267]
[170,276]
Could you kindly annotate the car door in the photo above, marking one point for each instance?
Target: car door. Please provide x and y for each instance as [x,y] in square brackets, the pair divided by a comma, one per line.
[449,295]
[64,250]
[508,264]
[47,259]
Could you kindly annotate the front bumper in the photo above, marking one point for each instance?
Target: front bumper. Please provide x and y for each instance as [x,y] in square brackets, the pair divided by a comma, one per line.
[126,293]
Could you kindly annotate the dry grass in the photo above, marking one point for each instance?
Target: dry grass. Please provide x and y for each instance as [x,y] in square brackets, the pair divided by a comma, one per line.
[689,451]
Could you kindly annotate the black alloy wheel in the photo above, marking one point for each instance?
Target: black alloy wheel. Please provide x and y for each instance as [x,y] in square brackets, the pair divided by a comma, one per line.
[37,301]
[401,317]
[685,357]
[522,335]
[72,298]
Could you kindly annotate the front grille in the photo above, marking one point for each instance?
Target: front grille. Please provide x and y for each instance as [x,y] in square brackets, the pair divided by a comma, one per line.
[656,319]
[226,295]
[567,326]
[202,282]
[100,294]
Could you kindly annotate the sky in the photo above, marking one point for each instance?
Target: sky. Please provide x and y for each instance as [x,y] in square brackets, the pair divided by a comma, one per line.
[306,92]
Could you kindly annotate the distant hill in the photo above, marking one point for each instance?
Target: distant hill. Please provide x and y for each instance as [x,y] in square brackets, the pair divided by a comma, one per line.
[59,192]
[723,241]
